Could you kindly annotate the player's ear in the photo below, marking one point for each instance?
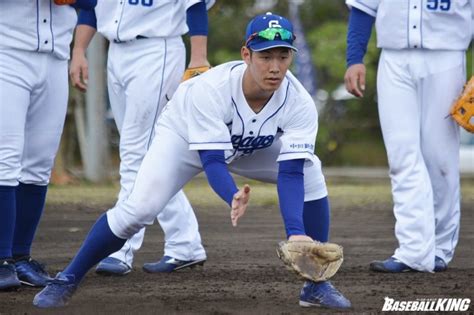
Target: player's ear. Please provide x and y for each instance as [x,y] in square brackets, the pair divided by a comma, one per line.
[246,54]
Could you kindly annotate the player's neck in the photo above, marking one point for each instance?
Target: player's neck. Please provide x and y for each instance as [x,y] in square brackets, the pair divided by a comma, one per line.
[255,96]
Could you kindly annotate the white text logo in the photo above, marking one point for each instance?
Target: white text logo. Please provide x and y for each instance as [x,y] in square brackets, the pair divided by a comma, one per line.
[427,305]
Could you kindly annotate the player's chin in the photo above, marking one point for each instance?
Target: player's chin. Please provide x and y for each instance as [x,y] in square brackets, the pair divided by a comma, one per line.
[272,84]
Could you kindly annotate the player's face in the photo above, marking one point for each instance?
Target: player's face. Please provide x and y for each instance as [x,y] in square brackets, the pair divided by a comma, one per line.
[268,68]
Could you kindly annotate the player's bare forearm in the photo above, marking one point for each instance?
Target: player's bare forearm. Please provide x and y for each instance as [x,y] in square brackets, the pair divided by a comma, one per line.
[354,79]
[79,71]
[198,56]
[82,38]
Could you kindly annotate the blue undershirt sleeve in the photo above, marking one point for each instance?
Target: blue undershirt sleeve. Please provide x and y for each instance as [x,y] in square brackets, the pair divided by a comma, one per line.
[290,186]
[196,18]
[87,17]
[358,35]
[84,4]
[218,176]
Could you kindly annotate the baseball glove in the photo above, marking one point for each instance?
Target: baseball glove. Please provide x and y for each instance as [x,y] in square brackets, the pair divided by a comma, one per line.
[311,260]
[463,110]
[194,72]
[64,2]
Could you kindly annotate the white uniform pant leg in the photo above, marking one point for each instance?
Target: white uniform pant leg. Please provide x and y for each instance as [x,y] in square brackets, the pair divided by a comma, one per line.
[263,166]
[440,147]
[143,76]
[166,168]
[34,90]
[400,119]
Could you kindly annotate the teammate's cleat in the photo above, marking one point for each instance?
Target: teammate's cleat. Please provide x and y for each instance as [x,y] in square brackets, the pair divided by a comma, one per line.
[322,294]
[440,265]
[8,276]
[111,266]
[391,265]
[57,293]
[169,264]
[31,272]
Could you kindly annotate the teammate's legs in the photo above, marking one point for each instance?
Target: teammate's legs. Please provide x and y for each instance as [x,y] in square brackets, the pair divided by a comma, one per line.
[15,87]
[157,68]
[44,125]
[440,146]
[400,119]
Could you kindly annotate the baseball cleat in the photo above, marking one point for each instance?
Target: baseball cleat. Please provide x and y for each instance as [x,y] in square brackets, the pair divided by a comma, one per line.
[169,264]
[111,266]
[8,276]
[390,265]
[31,272]
[322,294]
[57,293]
[440,265]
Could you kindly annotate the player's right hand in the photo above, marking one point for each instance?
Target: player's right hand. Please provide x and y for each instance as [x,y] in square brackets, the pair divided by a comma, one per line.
[79,71]
[354,79]
[239,204]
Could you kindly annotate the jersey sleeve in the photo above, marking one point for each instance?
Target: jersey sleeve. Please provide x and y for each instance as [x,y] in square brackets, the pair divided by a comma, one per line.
[368,6]
[207,129]
[299,133]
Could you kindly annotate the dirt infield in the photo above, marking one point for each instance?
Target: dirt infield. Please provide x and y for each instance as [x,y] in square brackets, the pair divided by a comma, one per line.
[243,274]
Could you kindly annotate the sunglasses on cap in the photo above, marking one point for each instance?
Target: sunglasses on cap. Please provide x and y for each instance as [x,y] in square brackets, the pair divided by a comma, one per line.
[272,33]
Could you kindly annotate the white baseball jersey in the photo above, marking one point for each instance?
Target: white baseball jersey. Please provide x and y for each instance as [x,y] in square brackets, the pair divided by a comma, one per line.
[124,20]
[428,24]
[214,115]
[39,26]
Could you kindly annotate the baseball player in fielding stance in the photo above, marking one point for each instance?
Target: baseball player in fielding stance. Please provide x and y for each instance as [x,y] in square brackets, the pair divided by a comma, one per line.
[146,61]
[252,118]
[421,71]
[33,91]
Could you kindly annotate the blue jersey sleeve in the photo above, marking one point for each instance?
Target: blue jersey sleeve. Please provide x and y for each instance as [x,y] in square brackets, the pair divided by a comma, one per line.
[290,185]
[218,176]
[85,4]
[87,17]
[358,35]
[196,18]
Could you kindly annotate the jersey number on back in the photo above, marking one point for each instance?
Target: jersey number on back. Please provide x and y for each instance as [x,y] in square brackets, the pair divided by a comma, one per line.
[145,3]
[442,5]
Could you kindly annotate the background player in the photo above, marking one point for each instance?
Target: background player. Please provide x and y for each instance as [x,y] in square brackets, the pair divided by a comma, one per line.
[146,61]
[33,93]
[422,69]
[252,117]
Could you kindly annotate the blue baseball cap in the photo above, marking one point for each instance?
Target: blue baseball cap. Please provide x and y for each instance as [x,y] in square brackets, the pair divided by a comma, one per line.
[269,31]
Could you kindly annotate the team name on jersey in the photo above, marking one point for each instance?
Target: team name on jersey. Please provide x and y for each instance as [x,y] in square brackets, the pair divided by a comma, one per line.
[247,145]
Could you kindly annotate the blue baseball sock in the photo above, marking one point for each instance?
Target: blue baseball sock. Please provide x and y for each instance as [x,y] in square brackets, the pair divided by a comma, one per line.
[316,219]
[30,201]
[7,220]
[99,243]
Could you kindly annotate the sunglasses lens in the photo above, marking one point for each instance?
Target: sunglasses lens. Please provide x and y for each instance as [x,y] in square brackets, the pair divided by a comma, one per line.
[271,34]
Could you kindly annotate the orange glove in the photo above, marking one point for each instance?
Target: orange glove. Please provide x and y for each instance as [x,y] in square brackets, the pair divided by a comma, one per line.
[194,72]
[463,110]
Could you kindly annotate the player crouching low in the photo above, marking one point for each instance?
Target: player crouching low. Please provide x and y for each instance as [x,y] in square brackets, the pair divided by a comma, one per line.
[252,118]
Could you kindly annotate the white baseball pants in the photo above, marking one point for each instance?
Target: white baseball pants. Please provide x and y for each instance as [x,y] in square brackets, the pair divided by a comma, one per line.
[142,77]
[416,89]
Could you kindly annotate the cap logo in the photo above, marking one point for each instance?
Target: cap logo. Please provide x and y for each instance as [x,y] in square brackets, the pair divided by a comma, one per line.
[273,23]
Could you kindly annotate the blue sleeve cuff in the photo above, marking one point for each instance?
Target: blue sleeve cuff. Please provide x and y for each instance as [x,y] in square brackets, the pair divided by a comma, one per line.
[87,17]
[218,176]
[358,35]
[290,185]
[196,18]
[85,4]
